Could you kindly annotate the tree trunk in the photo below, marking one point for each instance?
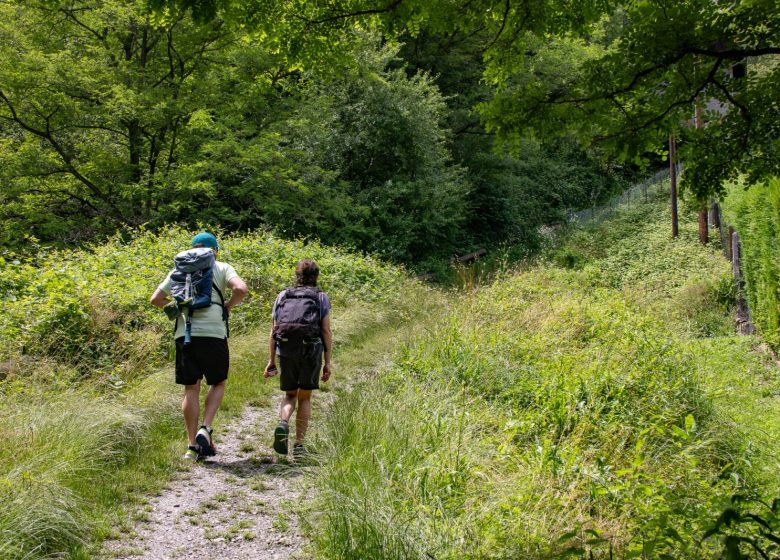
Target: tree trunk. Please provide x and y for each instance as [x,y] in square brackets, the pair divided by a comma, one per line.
[136,146]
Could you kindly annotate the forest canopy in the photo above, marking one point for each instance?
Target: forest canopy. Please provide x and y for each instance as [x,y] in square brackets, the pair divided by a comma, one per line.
[411,129]
[623,75]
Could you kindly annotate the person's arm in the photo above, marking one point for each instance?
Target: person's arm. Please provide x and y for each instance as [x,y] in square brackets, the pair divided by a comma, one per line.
[238,291]
[327,339]
[159,298]
[270,369]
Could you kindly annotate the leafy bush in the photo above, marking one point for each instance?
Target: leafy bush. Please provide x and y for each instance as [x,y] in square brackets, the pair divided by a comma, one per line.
[90,308]
[383,133]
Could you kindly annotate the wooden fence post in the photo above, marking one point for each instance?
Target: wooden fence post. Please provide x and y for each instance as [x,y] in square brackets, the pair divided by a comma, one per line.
[744,322]
[704,231]
[727,245]
[715,221]
[673,183]
[715,215]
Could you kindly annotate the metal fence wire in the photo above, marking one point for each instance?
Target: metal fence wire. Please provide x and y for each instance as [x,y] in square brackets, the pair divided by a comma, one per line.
[638,193]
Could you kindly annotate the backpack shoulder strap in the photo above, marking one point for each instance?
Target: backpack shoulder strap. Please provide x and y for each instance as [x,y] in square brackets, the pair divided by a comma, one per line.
[225,315]
[219,293]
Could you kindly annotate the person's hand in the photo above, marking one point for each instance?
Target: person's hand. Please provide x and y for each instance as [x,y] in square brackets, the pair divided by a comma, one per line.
[326,371]
[270,370]
[172,310]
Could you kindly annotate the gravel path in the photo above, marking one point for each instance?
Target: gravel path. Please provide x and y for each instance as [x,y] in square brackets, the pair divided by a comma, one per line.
[238,504]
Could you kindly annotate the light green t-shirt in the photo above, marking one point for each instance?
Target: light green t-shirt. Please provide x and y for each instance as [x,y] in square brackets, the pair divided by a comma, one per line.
[207,321]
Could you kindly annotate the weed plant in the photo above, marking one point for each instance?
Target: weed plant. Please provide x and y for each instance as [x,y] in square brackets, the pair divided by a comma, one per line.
[561,411]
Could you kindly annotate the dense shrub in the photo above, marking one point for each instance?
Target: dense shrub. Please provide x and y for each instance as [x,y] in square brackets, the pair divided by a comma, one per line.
[755,214]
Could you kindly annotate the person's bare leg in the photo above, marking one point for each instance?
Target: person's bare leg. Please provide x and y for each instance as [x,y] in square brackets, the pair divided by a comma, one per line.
[213,400]
[287,406]
[303,415]
[190,408]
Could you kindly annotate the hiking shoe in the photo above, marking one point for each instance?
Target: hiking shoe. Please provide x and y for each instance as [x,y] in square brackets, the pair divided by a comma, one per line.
[299,451]
[203,438]
[193,453]
[280,438]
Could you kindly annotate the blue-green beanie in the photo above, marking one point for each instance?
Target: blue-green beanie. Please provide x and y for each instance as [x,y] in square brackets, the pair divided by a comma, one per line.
[205,239]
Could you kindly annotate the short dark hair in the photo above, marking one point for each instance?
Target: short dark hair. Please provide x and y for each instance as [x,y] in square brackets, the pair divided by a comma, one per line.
[306,273]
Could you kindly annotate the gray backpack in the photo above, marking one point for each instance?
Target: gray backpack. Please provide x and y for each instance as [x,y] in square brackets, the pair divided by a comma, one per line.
[298,319]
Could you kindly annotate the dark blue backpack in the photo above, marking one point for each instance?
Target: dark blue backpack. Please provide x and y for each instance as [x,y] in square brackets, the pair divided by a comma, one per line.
[192,281]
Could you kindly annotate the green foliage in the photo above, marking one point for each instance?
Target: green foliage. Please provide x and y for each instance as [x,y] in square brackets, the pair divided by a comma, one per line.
[94,148]
[622,75]
[170,122]
[513,197]
[755,214]
[89,308]
[635,76]
[382,133]
[748,528]
[559,413]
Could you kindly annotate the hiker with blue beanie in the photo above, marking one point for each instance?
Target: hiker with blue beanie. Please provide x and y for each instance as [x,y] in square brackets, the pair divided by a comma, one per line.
[193,295]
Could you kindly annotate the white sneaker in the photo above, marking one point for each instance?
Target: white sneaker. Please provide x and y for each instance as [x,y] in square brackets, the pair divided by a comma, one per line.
[192,454]
[203,439]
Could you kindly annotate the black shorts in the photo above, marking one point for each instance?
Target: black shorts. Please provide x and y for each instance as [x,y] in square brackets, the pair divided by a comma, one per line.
[205,357]
[300,373]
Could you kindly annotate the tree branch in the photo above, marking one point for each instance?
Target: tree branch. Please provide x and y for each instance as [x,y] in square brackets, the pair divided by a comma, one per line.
[70,13]
[659,117]
[347,15]
[66,158]
[503,26]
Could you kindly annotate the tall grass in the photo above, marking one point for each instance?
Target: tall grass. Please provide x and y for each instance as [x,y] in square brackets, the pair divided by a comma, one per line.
[63,447]
[556,412]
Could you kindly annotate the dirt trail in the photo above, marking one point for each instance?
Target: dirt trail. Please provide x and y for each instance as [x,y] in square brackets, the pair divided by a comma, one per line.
[238,504]
[243,503]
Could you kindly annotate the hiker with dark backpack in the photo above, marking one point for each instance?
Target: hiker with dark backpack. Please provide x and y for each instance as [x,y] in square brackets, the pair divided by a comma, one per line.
[193,296]
[300,337]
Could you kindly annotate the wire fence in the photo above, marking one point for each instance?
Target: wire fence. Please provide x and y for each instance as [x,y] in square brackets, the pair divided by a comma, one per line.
[730,240]
[638,193]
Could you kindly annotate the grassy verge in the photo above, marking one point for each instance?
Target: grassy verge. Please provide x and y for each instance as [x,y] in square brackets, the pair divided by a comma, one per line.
[597,410]
[81,459]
